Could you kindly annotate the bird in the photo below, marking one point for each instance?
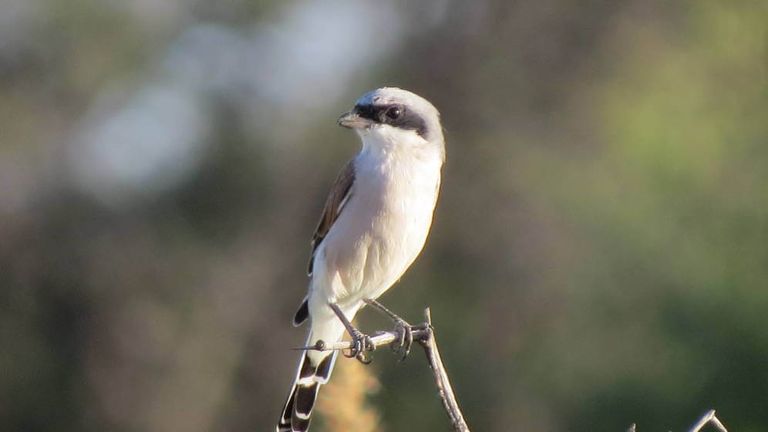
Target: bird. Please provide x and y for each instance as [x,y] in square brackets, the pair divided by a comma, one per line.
[374,224]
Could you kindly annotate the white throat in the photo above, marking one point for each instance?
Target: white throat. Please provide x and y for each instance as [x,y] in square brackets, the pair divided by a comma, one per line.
[390,142]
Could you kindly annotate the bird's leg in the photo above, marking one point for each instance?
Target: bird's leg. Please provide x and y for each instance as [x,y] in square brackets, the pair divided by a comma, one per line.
[361,343]
[403,330]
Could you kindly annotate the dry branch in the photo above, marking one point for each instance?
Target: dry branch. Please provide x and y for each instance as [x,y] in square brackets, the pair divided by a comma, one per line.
[709,417]
[423,334]
[706,419]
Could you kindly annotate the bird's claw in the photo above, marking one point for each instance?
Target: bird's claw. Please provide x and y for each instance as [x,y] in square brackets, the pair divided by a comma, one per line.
[361,344]
[404,333]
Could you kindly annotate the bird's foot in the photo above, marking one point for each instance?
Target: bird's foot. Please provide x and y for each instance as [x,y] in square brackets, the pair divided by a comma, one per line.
[403,330]
[361,344]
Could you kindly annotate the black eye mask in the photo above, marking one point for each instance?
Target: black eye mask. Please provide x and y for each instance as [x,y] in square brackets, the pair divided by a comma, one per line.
[394,115]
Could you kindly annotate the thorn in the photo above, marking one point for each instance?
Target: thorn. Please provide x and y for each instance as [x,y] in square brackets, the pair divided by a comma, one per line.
[318,346]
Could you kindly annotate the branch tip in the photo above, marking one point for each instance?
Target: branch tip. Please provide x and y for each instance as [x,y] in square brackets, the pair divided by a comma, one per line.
[707,418]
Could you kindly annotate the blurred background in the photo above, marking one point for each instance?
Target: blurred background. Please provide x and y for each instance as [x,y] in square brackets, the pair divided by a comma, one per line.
[599,254]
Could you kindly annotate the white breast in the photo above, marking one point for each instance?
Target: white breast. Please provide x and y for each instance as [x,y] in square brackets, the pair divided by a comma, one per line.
[385,223]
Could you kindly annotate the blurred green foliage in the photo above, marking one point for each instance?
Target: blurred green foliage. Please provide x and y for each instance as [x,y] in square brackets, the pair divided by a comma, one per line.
[599,255]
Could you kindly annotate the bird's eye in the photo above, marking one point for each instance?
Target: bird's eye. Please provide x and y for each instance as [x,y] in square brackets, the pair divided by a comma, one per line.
[394,113]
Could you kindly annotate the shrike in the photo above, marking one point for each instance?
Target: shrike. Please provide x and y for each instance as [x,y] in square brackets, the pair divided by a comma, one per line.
[374,225]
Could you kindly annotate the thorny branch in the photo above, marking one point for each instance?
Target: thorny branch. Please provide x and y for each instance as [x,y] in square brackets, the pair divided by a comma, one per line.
[423,334]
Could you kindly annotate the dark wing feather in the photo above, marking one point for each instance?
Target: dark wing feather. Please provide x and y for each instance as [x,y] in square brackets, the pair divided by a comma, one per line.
[340,193]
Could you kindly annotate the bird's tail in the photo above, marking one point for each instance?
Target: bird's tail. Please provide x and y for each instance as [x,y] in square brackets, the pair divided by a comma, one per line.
[314,371]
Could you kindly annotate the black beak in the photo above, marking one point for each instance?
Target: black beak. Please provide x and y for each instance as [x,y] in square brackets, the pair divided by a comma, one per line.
[353,121]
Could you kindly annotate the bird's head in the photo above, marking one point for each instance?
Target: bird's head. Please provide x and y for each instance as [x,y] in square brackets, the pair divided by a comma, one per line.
[393,116]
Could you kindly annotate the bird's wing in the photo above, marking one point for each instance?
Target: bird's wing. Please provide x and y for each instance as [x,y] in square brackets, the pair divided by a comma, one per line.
[334,204]
[337,199]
